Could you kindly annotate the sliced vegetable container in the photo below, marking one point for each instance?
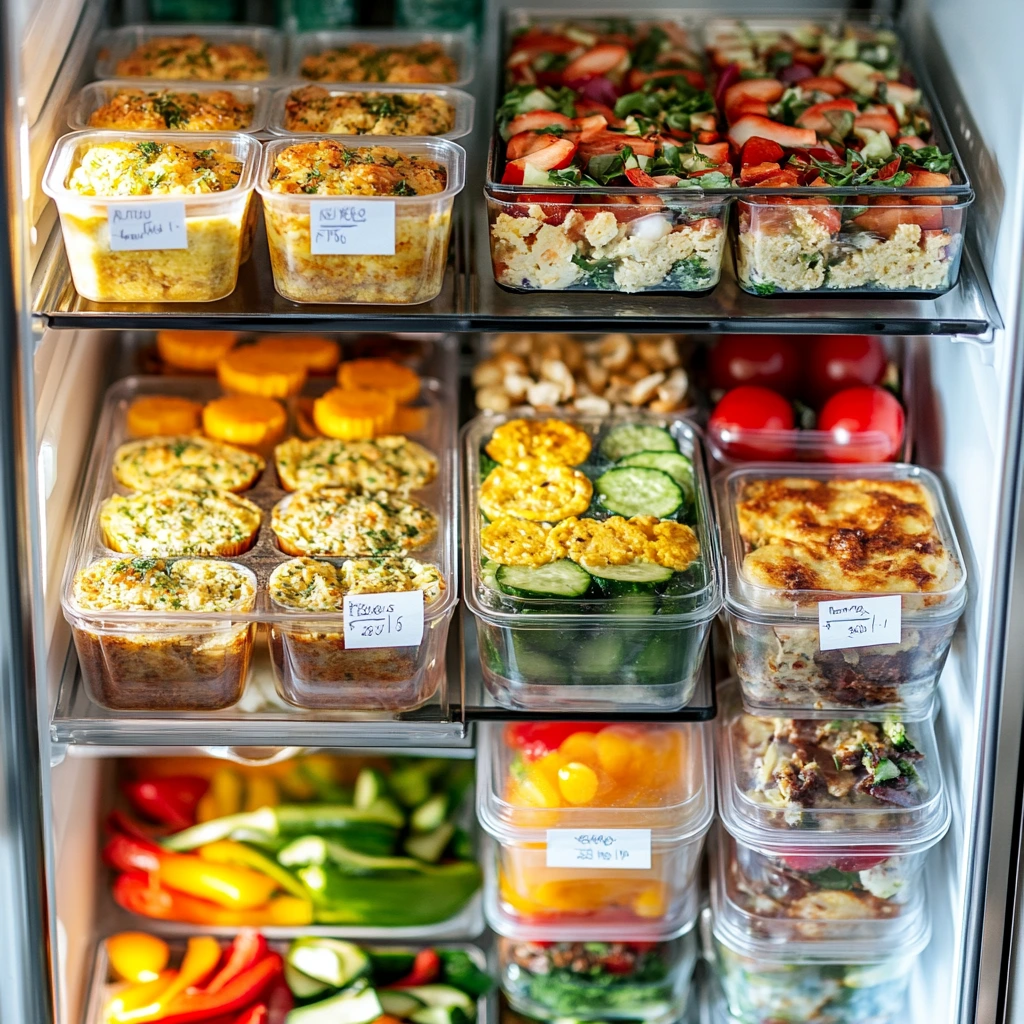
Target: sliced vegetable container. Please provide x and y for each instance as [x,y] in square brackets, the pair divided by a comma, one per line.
[869,531]
[607,171]
[542,785]
[595,537]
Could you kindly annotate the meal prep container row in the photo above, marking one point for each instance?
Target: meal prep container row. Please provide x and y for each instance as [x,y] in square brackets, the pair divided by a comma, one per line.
[590,902]
[621,660]
[117,44]
[147,661]
[783,238]
[774,633]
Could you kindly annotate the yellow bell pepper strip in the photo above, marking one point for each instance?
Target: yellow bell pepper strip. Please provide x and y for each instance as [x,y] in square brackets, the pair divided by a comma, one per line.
[261,791]
[226,851]
[206,809]
[226,787]
[137,956]
[202,954]
[235,888]
[130,999]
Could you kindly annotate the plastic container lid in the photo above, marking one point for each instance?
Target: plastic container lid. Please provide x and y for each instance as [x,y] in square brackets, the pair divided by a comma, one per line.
[759,601]
[743,743]
[686,814]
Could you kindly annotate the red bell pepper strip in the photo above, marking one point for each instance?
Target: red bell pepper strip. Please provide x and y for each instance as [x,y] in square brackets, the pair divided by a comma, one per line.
[535,739]
[258,1014]
[426,967]
[171,800]
[129,854]
[248,948]
[118,821]
[238,994]
[280,1002]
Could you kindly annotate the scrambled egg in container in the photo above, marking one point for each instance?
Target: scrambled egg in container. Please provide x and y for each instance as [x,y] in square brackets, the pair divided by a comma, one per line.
[161,664]
[337,112]
[192,57]
[422,190]
[100,174]
[139,110]
[425,62]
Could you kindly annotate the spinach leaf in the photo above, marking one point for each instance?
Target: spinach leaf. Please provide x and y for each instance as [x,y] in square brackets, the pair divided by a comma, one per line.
[930,158]
[600,273]
[689,275]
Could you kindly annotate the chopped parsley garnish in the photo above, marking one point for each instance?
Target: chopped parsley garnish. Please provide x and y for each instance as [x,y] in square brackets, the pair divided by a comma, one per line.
[403,188]
[150,150]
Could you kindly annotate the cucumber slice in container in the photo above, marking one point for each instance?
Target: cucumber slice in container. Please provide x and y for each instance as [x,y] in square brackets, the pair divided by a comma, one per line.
[637,491]
[302,985]
[445,996]
[348,1007]
[332,961]
[679,467]
[398,1003]
[631,438]
[627,580]
[556,579]
[440,1014]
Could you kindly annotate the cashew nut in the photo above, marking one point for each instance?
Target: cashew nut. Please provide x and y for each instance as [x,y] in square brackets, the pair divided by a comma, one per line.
[487,374]
[615,351]
[543,395]
[658,354]
[493,399]
[593,405]
[596,374]
[517,385]
[558,373]
[643,390]
[675,387]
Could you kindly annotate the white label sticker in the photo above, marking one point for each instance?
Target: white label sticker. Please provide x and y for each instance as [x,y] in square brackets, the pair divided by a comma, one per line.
[351,228]
[384,620]
[622,848]
[859,622]
[147,226]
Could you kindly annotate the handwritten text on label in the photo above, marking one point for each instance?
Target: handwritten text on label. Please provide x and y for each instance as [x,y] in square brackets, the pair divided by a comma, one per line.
[620,848]
[351,227]
[383,620]
[859,622]
[136,226]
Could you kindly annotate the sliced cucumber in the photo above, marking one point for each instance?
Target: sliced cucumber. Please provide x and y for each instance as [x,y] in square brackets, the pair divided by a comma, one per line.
[389,965]
[349,1007]
[333,961]
[440,1014]
[398,1002]
[442,995]
[679,467]
[636,491]
[371,786]
[488,573]
[430,846]
[638,572]
[556,579]
[430,814]
[631,438]
[411,785]
[302,985]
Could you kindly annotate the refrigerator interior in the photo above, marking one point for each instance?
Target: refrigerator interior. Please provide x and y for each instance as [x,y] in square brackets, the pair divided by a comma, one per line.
[968,410]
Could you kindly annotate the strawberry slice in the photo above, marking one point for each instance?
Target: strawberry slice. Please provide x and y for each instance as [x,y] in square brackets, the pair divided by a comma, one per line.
[878,123]
[808,58]
[787,177]
[889,170]
[751,174]
[825,154]
[897,92]
[786,136]
[913,141]
[706,138]
[815,119]
[640,178]
[595,62]
[766,89]
[543,42]
[759,151]
[554,156]
[718,151]
[920,178]
[887,214]
[704,122]
[591,127]
[725,169]
[534,120]
[830,85]
[666,179]
[740,109]
[612,142]
[525,143]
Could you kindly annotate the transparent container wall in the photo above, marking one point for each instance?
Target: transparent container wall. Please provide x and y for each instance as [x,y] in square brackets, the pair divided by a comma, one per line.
[566,239]
[459,46]
[129,658]
[758,991]
[789,783]
[117,44]
[632,652]
[897,246]
[414,274]
[218,227]
[600,980]
[97,94]
[461,104]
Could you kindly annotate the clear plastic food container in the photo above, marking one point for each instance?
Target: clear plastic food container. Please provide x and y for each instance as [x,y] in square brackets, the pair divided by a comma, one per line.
[461,103]
[570,802]
[115,45]
[773,589]
[580,976]
[98,94]
[217,226]
[638,633]
[840,787]
[129,658]
[422,226]
[457,45]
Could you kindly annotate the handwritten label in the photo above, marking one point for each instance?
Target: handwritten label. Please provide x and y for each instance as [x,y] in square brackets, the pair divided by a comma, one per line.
[861,622]
[627,849]
[351,228]
[147,226]
[384,620]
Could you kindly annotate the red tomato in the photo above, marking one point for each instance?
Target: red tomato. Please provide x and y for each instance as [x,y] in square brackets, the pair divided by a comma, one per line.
[838,361]
[535,739]
[746,410]
[765,359]
[856,411]
[857,859]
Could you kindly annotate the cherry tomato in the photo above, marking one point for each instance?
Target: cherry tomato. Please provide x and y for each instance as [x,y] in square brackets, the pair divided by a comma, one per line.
[857,411]
[838,361]
[741,416]
[765,359]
